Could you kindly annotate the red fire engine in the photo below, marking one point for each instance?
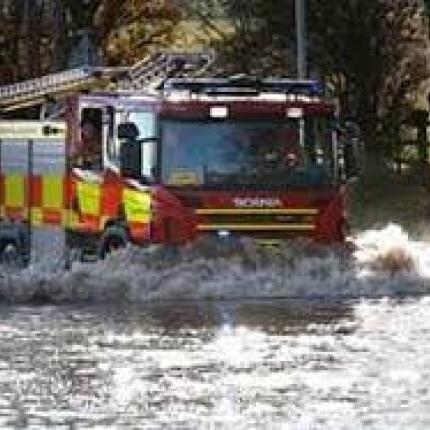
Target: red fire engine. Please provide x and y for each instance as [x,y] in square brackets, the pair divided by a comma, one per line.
[168,163]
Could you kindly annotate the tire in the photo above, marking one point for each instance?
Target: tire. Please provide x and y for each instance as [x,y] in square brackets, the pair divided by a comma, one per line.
[114,237]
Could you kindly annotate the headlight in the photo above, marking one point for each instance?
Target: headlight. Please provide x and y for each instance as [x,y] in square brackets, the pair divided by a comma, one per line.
[223,233]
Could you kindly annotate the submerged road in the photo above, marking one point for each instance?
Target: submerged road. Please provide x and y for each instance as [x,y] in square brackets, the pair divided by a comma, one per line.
[304,338]
[232,364]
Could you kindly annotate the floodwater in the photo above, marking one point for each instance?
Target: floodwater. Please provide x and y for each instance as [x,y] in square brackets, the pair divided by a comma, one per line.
[297,338]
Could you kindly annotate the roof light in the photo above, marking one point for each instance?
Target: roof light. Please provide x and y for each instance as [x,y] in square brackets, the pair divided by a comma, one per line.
[219,112]
[295,113]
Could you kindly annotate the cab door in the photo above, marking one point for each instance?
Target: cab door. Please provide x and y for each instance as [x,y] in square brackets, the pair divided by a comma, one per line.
[33,173]
[96,134]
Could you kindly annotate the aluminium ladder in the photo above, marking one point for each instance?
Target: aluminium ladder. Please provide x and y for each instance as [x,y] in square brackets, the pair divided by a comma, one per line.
[148,74]
[152,72]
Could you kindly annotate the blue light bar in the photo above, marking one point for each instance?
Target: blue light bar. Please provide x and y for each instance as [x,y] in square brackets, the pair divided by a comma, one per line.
[245,86]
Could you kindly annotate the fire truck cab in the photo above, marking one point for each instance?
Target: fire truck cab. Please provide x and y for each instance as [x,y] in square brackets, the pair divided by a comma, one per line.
[225,157]
[228,158]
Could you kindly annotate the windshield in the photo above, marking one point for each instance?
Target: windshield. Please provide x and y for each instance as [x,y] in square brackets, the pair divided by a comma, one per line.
[261,153]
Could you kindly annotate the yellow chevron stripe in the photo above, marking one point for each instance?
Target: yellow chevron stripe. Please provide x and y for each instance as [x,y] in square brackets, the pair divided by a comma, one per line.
[36,216]
[52,191]
[14,188]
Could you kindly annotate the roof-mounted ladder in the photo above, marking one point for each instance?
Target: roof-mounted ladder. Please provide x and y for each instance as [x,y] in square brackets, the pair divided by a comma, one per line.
[37,91]
[152,72]
[145,75]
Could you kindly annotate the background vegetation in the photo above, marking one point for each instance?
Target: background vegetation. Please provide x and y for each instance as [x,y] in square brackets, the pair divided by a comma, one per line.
[372,54]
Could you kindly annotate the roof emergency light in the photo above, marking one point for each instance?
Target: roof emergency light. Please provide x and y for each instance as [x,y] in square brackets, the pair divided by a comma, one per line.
[243,85]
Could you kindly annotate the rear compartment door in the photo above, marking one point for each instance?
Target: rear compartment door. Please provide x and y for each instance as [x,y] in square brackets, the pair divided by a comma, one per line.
[32,186]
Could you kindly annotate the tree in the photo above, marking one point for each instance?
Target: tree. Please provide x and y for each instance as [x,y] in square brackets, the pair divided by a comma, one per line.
[49,35]
[130,29]
[82,43]
[31,39]
[374,54]
[260,36]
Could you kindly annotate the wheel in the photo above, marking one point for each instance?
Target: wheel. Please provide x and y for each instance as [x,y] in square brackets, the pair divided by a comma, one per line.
[113,238]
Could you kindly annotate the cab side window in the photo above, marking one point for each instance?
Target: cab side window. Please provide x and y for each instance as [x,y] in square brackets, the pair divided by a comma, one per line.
[91,139]
[145,122]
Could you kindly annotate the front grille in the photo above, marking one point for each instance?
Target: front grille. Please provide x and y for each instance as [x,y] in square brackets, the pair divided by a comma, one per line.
[265,223]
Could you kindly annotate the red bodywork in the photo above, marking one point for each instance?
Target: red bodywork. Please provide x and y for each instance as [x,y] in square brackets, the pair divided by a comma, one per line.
[176,218]
[182,214]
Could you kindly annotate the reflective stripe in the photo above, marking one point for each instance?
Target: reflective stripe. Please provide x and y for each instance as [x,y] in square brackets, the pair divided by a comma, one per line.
[40,216]
[139,231]
[70,218]
[269,243]
[48,199]
[14,188]
[89,198]
[32,130]
[257,227]
[16,214]
[52,192]
[103,220]
[89,223]
[47,202]
[52,216]
[258,211]
[137,205]
[37,216]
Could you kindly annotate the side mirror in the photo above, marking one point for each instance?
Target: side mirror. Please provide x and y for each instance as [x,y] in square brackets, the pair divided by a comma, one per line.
[352,159]
[128,130]
[131,159]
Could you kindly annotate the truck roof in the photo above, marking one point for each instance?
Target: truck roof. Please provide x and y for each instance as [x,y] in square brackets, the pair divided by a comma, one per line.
[177,99]
[245,85]
[231,89]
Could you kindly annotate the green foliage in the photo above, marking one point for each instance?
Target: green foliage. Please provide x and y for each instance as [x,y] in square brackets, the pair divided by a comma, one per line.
[261,40]
[374,53]
[136,28]
[371,53]
[82,12]
[38,37]
[32,38]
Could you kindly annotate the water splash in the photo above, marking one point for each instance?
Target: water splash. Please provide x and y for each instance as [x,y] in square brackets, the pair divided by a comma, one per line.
[383,262]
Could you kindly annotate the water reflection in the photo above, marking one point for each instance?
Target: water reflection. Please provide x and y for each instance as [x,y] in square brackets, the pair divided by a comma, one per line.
[107,366]
[266,315]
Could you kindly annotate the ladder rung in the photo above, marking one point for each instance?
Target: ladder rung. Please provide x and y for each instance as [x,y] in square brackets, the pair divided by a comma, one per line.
[150,73]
